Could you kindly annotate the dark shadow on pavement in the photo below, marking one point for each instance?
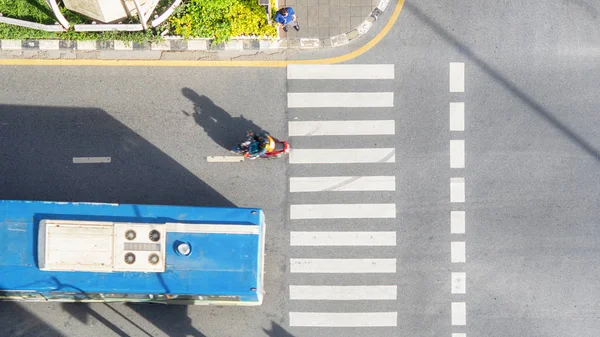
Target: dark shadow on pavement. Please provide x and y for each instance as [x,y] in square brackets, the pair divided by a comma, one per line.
[19,322]
[170,319]
[39,143]
[220,126]
[83,312]
[505,82]
[277,331]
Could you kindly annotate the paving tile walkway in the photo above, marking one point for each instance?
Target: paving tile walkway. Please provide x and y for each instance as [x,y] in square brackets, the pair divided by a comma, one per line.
[325,18]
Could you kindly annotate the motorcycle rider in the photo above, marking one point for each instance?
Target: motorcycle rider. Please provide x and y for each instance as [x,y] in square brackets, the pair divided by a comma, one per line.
[263,139]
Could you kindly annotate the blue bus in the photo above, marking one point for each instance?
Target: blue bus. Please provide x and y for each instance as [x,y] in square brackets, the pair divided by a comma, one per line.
[94,252]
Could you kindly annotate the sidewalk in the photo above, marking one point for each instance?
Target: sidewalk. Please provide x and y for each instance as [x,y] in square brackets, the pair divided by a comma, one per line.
[323,24]
[327,18]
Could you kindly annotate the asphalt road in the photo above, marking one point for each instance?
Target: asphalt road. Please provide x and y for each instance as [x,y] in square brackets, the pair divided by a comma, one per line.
[531,170]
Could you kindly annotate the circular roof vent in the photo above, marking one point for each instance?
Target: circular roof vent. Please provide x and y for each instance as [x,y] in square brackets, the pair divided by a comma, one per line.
[130,235]
[129,258]
[153,258]
[154,235]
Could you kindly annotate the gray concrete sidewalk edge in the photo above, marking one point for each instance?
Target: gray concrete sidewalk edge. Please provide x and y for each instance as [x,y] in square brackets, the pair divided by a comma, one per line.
[179,44]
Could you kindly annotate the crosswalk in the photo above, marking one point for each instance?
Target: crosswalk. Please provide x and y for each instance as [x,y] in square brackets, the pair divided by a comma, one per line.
[334,182]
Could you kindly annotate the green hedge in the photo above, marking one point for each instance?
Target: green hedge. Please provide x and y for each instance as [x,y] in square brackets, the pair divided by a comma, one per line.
[221,19]
[218,19]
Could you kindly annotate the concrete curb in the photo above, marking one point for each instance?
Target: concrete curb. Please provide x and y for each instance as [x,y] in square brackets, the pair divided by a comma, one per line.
[178,44]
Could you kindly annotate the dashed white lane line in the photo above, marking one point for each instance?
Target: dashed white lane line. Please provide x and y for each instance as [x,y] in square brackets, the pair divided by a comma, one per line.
[343,156]
[340,71]
[457,77]
[459,313]
[342,184]
[459,283]
[460,334]
[342,238]
[342,266]
[457,153]
[341,128]
[457,252]
[346,319]
[343,293]
[340,99]
[224,159]
[457,222]
[457,116]
[342,211]
[457,189]
[91,160]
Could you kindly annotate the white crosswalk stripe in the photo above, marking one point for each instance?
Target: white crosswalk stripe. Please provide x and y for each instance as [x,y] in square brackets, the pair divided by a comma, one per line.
[341,128]
[346,319]
[342,211]
[322,180]
[343,238]
[343,293]
[342,156]
[340,99]
[340,72]
[342,184]
[343,266]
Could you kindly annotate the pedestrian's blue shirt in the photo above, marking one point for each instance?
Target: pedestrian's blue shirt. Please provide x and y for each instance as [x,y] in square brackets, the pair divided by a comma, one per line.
[285,19]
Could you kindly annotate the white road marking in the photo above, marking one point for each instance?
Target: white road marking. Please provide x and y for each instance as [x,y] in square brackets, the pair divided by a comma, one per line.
[457,252]
[457,189]
[340,99]
[345,184]
[457,77]
[341,128]
[91,160]
[340,71]
[457,153]
[459,313]
[457,116]
[343,293]
[459,283]
[460,334]
[343,156]
[346,319]
[342,211]
[224,159]
[457,222]
[342,238]
[342,266]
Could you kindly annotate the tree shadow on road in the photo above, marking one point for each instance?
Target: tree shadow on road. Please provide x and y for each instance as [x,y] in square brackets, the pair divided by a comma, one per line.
[218,124]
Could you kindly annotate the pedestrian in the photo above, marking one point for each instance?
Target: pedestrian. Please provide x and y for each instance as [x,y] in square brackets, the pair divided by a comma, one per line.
[286,16]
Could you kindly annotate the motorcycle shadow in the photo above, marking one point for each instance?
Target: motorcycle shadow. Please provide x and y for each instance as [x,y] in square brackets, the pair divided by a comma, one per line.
[219,125]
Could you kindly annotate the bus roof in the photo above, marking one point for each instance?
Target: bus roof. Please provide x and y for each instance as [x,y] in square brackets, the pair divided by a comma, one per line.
[224,255]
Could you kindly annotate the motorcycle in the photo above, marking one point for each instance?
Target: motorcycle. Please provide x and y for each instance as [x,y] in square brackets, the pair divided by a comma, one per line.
[275,148]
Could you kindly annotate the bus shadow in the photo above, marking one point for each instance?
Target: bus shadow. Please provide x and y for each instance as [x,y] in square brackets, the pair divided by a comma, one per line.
[170,319]
[219,125]
[39,144]
[17,321]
